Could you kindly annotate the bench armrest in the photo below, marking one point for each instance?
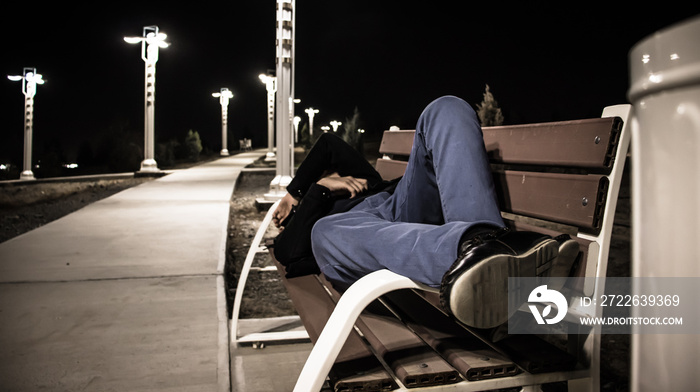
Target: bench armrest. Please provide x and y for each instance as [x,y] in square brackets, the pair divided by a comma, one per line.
[341,322]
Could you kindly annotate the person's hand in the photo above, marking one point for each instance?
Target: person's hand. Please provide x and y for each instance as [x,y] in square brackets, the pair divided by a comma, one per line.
[283,209]
[344,185]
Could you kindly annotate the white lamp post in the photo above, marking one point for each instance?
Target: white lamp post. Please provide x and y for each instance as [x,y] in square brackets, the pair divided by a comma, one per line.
[297,120]
[150,42]
[224,95]
[270,83]
[29,80]
[311,112]
[335,125]
[284,103]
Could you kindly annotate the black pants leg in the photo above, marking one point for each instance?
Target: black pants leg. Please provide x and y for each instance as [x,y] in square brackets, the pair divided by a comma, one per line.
[329,154]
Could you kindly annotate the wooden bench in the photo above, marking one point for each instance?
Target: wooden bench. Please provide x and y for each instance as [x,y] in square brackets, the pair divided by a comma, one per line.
[387,332]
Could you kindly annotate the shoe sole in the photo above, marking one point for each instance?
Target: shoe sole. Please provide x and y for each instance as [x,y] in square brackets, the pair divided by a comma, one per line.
[483,294]
[561,267]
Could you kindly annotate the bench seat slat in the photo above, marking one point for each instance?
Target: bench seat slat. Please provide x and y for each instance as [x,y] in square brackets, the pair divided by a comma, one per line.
[356,367]
[413,362]
[468,354]
[537,355]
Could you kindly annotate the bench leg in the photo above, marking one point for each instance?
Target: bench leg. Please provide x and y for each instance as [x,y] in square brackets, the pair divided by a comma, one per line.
[245,270]
[340,324]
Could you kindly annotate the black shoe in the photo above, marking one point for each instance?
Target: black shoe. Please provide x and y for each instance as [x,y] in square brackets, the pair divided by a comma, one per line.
[475,288]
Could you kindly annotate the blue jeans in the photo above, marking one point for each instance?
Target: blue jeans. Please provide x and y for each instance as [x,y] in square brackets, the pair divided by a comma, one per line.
[415,232]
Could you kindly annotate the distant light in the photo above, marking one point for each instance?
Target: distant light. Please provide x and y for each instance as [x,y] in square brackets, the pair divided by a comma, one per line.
[36,78]
[158,39]
[4,166]
[150,38]
[225,92]
[70,165]
[675,56]
[645,58]
[656,78]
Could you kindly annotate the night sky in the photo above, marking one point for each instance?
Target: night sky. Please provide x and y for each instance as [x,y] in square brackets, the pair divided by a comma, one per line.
[543,61]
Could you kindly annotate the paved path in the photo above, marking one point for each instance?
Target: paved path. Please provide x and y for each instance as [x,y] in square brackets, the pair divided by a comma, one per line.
[125,294]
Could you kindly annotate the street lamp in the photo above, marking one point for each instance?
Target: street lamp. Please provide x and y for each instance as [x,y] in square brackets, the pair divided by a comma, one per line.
[224,95]
[29,80]
[284,99]
[270,83]
[150,42]
[335,125]
[311,112]
[297,120]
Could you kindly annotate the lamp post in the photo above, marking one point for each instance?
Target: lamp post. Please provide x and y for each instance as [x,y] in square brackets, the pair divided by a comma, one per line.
[297,120]
[270,83]
[224,95]
[284,103]
[311,112]
[150,42]
[29,80]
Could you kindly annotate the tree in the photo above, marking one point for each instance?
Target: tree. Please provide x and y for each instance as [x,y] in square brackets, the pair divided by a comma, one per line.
[351,133]
[488,111]
[193,145]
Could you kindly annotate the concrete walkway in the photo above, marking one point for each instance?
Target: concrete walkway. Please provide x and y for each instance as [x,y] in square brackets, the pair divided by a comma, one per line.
[125,294]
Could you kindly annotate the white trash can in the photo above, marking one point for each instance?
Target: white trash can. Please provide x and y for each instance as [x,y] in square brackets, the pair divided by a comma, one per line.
[665,94]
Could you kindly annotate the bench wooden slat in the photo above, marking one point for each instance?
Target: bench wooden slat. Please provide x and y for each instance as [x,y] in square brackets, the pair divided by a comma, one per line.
[396,142]
[356,367]
[535,355]
[527,351]
[412,361]
[390,169]
[469,355]
[567,198]
[589,143]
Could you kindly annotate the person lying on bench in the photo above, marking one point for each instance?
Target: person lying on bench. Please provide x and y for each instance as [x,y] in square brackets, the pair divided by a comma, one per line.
[439,224]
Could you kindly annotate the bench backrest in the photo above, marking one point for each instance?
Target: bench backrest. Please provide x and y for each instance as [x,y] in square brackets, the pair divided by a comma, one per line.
[550,177]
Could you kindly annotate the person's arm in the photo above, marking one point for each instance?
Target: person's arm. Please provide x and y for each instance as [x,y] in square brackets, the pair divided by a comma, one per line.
[336,185]
[283,209]
[330,154]
[343,185]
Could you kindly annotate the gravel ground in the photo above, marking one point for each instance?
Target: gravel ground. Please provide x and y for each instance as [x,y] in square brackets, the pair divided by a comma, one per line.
[264,294]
